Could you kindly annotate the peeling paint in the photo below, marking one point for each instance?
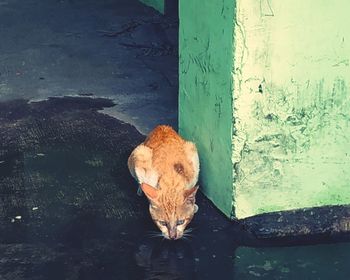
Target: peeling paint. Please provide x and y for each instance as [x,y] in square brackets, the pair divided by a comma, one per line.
[264,93]
[291,112]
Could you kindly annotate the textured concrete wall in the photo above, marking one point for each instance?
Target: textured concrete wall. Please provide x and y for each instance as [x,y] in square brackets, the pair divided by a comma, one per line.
[291,105]
[159,5]
[205,104]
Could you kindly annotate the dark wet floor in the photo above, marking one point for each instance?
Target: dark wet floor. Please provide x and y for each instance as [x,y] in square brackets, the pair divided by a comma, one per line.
[69,210]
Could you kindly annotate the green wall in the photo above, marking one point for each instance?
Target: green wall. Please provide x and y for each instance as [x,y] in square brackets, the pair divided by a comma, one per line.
[292,105]
[205,104]
[159,5]
[264,92]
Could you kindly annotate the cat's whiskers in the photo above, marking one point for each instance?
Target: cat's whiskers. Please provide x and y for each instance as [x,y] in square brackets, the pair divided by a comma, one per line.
[154,234]
[188,230]
[187,235]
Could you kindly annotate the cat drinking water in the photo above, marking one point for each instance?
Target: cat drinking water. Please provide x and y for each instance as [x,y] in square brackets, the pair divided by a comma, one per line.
[166,166]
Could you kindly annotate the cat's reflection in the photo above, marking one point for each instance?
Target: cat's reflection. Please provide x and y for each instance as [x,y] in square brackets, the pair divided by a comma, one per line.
[163,259]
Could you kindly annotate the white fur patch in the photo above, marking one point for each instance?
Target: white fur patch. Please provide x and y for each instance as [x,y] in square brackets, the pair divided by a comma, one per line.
[192,155]
[140,166]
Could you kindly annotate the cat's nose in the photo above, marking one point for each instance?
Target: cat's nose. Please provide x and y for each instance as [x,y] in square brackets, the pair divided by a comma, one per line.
[172,234]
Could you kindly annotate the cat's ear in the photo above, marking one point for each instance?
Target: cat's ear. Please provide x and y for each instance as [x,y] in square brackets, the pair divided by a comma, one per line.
[149,191]
[190,195]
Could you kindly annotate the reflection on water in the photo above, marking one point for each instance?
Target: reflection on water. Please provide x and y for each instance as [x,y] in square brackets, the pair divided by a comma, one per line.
[181,260]
[327,261]
[166,260]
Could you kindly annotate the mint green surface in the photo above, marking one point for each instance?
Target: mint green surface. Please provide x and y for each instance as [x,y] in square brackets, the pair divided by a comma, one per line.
[205,102]
[264,93]
[159,5]
[292,105]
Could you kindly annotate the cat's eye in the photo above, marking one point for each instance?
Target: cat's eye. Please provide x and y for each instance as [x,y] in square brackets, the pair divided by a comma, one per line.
[180,222]
[163,223]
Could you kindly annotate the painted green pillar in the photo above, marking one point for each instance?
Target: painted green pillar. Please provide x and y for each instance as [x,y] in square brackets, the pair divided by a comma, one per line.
[264,92]
[205,104]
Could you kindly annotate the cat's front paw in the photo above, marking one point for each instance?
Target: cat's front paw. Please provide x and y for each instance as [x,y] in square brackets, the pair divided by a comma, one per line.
[196,208]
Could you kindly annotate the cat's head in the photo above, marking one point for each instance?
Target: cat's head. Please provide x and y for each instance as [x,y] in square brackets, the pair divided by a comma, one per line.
[171,212]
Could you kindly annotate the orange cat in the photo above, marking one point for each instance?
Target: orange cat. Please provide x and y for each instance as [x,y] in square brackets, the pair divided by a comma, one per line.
[166,167]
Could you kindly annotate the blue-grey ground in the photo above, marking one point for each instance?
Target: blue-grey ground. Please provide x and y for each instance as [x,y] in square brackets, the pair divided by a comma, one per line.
[61,47]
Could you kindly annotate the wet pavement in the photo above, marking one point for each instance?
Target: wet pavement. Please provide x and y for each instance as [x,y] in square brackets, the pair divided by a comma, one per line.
[69,209]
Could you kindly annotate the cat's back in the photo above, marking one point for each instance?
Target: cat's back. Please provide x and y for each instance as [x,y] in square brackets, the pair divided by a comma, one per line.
[173,158]
[163,136]
[167,149]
